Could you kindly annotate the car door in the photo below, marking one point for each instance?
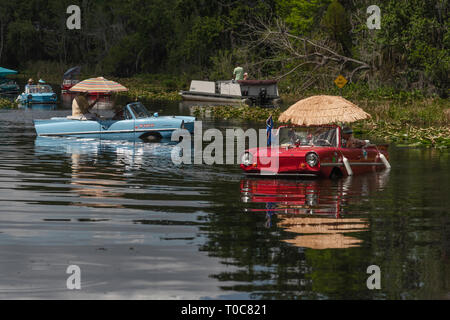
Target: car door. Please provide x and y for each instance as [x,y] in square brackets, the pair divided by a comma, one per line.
[352,154]
[122,128]
[360,159]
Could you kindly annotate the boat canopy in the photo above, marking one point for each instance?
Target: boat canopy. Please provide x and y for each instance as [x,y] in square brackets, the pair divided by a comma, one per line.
[5,72]
[69,74]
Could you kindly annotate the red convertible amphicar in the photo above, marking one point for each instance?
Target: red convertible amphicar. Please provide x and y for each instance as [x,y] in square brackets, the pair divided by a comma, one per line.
[314,151]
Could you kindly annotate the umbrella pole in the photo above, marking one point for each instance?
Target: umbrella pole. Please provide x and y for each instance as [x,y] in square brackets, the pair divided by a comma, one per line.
[96,104]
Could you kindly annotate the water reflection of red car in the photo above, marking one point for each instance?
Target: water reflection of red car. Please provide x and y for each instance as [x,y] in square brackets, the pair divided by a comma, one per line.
[283,193]
[315,151]
[315,211]
[291,196]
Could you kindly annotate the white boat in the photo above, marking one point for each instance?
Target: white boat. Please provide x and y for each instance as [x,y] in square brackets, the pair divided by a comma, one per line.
[250,92]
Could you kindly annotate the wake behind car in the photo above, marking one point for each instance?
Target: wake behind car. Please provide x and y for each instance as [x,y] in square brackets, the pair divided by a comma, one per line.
[131,122]
[313,151]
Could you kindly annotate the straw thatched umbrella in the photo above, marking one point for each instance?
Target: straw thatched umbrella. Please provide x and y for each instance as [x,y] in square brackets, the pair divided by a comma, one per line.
[319,110]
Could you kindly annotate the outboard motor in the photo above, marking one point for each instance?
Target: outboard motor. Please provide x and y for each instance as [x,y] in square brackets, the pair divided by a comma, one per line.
[262,95]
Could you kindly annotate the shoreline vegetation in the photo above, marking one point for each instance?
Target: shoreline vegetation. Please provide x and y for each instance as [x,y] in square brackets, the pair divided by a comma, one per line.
[402,133]
[407,118]
[398,74]
[7,103]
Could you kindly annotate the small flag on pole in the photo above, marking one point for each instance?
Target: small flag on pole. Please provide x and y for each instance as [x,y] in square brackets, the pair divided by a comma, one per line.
[269,125]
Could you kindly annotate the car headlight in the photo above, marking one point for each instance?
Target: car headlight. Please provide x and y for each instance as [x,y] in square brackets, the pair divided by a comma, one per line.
[247,159]
[312,159]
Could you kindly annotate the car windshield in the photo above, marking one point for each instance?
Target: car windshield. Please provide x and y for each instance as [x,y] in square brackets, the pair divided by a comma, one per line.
[308,136]
[40,89]
[139,110]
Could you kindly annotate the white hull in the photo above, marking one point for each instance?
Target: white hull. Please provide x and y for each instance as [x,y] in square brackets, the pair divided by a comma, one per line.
[205,98]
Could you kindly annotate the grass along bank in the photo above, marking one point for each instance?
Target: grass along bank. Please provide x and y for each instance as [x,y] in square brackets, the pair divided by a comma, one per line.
[154,89]
[404,135]
[7,104]
[241,113]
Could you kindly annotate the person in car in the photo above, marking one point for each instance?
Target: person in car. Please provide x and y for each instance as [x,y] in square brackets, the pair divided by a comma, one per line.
[348,141]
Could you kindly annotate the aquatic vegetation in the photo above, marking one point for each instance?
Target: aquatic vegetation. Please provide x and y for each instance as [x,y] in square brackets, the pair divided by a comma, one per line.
[141,88]
[242,112]
[150,94]
[396,131]
[7,104]
[406,135]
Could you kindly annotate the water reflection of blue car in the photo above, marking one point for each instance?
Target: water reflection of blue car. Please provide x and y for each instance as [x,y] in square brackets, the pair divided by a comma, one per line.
[88,152]
[134,121]
[38,94]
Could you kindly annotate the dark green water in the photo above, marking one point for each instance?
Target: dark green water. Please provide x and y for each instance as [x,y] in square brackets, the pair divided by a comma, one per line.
[139,226]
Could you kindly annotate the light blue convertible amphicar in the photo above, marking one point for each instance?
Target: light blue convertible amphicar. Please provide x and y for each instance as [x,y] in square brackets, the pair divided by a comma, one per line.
[132,122]
[41,93]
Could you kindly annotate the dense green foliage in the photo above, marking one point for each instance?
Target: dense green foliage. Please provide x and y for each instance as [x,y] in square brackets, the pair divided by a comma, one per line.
[207,38]
[7,104]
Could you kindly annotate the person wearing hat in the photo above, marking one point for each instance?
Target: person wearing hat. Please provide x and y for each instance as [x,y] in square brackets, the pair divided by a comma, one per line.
[245,76]
[40,84]
[27,86]
[348,141]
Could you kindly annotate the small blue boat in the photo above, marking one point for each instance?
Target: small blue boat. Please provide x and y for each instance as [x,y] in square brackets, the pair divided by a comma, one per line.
[7,85]
[41,93]
[132,122]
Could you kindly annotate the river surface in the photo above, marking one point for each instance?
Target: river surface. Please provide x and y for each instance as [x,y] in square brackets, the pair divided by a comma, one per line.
[140,227]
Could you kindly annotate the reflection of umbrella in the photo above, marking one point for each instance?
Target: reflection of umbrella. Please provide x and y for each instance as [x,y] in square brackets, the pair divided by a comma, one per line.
[319,110]
[323,233]
[5,72]
[72,72]
[98,85]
